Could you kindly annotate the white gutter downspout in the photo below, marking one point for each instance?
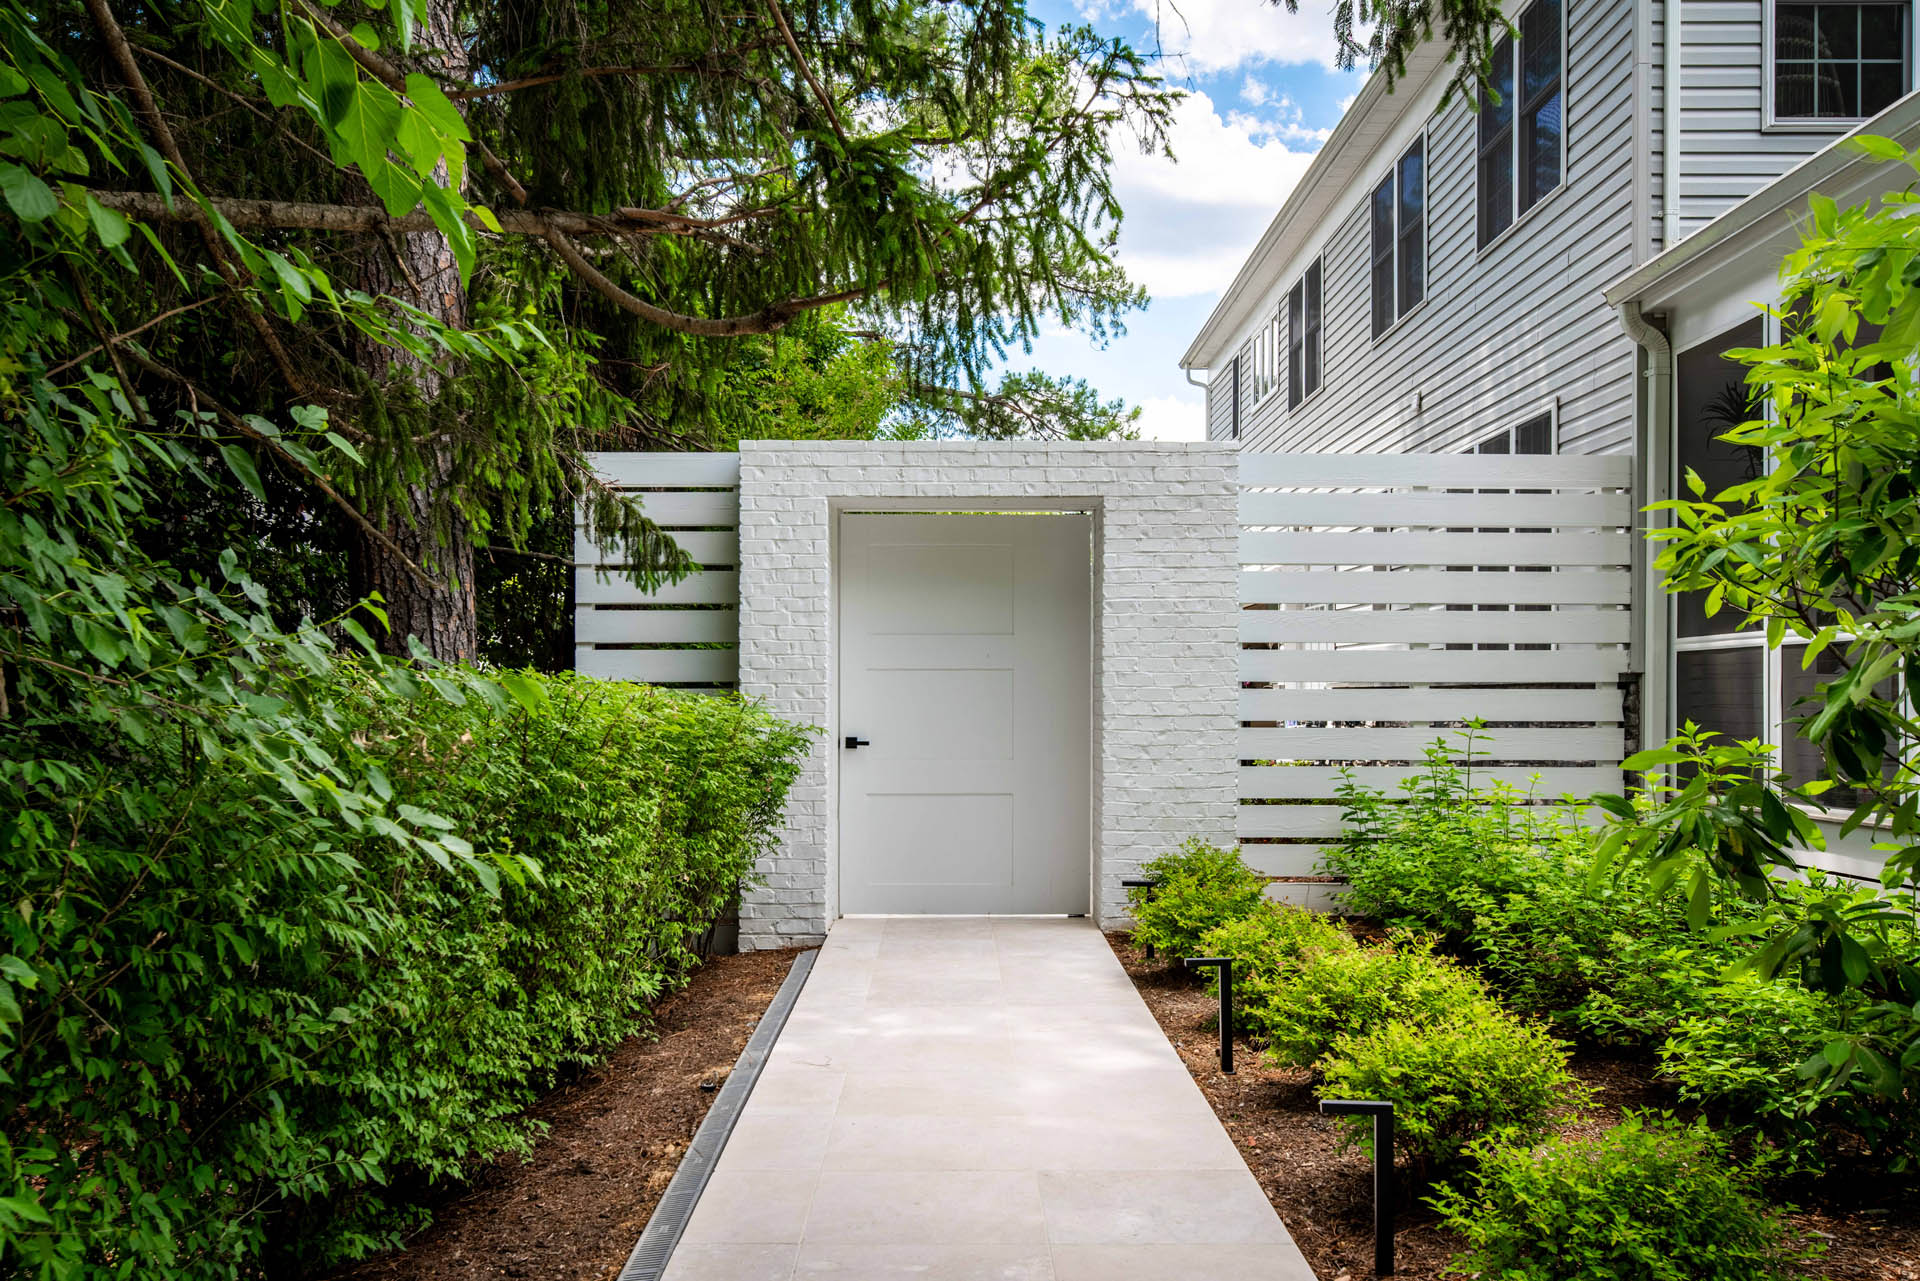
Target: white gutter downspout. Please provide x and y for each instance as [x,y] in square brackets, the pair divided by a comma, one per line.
[1650,600]
[1670,42]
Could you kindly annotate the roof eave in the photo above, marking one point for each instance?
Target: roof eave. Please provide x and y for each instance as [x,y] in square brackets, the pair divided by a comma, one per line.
[1231,311]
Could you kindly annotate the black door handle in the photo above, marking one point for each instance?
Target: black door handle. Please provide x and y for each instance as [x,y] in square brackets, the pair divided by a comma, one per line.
[857,742]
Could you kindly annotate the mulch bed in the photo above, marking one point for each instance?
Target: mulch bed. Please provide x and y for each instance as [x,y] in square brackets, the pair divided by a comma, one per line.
[1325,1196]
[615,1135]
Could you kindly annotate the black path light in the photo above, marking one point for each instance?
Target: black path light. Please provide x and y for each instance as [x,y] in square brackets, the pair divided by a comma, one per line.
[1149,884]
[1384,1190]
[1225,965]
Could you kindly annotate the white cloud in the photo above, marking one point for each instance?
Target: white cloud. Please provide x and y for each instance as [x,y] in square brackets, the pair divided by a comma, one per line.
[1172,418]
[1191,222]
[1220,35]
[1256,92]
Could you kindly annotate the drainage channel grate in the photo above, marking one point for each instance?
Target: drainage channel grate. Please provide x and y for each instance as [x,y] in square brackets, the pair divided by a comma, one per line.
[669,1220]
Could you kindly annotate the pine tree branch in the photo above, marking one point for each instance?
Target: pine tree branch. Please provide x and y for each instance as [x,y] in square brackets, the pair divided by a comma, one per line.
[800,60]
[156,123]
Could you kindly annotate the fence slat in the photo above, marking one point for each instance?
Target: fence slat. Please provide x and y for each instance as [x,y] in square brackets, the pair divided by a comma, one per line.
[1551,510]
[1430,626]
[1310,782]
[707,587]
[706,546]
[661,666]
[1431,587]
[1282,860]
[1307,743]
[1290,820]
[1483,471]
[655,626]
[676,509]
[1424,704]
[666,470]
[1440,666]
[1436,547]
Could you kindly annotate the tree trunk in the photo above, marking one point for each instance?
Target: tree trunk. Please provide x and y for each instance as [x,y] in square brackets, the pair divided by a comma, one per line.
[419,267]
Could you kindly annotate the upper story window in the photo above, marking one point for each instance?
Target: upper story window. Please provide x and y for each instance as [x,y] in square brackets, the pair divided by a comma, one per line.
[1522,141]
[1266,359]
[1303,337]
[1839,61]
[1398,212]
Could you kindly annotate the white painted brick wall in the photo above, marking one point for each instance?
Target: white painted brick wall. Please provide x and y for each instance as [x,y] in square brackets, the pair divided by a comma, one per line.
[1166,657]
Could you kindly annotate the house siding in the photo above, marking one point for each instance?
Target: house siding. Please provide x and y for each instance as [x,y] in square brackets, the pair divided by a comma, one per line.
[1726,153]
[1504,333]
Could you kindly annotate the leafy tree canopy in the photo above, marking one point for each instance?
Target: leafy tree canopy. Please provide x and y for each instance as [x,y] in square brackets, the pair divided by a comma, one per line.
[467,242]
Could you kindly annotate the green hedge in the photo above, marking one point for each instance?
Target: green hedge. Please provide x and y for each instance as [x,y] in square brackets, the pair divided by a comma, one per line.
[245,1034]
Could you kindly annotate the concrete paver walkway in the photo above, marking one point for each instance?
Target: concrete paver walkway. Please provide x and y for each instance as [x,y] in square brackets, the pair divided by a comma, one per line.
[972,1098]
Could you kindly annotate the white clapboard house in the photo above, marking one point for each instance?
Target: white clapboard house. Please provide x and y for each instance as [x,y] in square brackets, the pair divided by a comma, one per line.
[1558,273]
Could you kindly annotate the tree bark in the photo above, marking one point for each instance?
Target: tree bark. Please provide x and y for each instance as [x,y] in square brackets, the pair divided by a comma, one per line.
[419,266]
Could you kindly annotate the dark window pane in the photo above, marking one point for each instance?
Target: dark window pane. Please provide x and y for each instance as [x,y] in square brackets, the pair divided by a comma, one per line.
[1542,152]
[1500,444]
[1793,32]
[1839,26]
[1413,184]
[1713,400]
[1793,90]
[1540,46]
[1883,30]
[1296,337]
[1496,193]
[1413,267]
[1803,761]
[1495,169]
[1382,295]
[1535,436]
[1721,689]
[1881,85]
[1838,87]
[1313,328]
[1495,116]
[1382,219]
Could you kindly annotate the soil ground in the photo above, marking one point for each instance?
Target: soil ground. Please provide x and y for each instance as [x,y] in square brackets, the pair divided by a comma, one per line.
[615,1134]
[1325,1195]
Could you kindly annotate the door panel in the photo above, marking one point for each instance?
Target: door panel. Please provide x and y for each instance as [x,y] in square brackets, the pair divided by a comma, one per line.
[964,645]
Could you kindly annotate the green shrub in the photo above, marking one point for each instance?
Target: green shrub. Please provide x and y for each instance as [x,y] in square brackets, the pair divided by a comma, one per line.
[1199,887]
[1747,1056]
[1451,1081]
[1268,946]
[1346,992]
[1648,1200]
[247,1025]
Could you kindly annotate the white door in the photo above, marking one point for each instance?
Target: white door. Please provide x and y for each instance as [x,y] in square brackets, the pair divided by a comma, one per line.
[964,645]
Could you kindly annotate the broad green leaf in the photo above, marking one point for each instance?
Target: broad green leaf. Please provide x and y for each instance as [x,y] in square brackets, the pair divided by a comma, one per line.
[530,693]
[428,98]
[109,224]
[240,463]
[30,199]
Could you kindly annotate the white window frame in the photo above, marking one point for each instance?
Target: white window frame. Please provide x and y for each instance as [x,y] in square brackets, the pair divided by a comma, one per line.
[1772,123]
[1267,362]
[1520,216]
[1392,175]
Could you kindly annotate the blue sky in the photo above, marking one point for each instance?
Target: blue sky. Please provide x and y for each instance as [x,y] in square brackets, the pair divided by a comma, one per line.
[1262,96]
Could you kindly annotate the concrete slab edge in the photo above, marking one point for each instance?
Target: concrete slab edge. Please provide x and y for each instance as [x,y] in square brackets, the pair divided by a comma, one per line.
[654,1249]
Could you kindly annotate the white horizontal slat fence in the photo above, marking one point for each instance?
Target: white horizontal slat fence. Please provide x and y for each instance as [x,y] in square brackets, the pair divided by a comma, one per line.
[685,633]
[1386,599]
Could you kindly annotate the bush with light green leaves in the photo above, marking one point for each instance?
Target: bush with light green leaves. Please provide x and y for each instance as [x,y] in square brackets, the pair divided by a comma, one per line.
[1197,887]
[1650,1199]
[1269,946]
